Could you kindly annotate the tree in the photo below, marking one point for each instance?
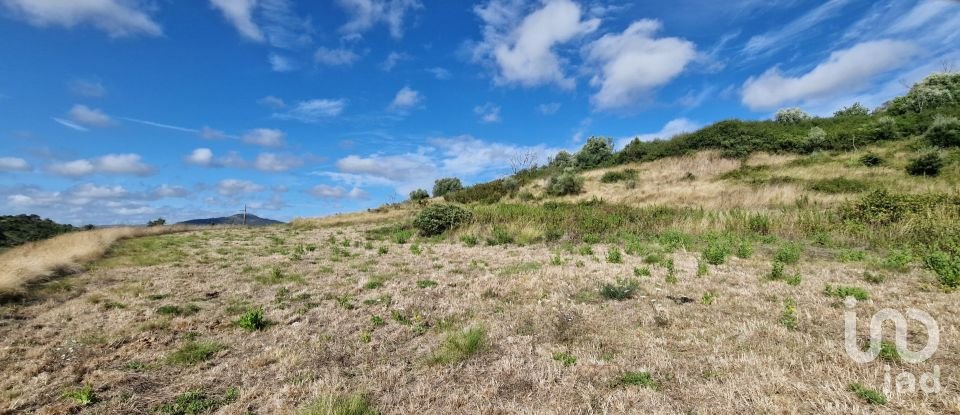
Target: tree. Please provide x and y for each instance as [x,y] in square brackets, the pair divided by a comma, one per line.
[596,152]
[523,161]
[418,195]
[562,160]
[944,132]
[791,116]
[855,110]
[446,185]
[157,222]
[566,183]
[816,137]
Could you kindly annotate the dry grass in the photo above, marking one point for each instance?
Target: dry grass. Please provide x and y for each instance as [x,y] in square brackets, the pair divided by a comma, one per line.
[395,212]
[62,254]
[323,349]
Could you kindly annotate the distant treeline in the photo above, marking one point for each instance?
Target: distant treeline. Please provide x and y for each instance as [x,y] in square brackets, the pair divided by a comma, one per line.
[20,229]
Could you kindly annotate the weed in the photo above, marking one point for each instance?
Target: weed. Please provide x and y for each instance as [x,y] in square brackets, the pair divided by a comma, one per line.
[194,352]
[708,298]
[614,256]
[946,267]
[426,284]
[897,260]
[415,249]
[565,358]
[873,278]
[373,283]
[82,396]
[744,250]
[356,404]
[345,302]
[838,185]
[382,250]
[641,271]
[459,346]
[377,321]
[252,320]
[196,402]
[888,352]
[844,291]
[469,240]
[586,250]
[759,224]
[788,254]
[173,310]
[623,289]
[702,268]
[789,316]
[716,251]
[868,395]
[641,379]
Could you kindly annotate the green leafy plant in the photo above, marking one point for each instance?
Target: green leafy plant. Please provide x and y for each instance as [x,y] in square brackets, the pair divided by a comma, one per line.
[623,289]
[459,346]
[845,291]
[928,165]
[82,396]
[868,395]
[439,218]
[565,358]
[252,320]
[641,379]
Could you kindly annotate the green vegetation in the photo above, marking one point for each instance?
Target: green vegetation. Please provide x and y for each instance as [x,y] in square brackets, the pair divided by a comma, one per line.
[868,395]
[641,379]
[82,396]
[789,316]
[195,402]
[174,310]
[418,195]
[355,404]
[459,346]
[20,229]
[194,352]
[437,219]
[565,358]
[615,176]
[252,320]
[844,291]
[944,132]
[946,267]
[563,184]
[927,165]
[838,185]
[623,289]
[446,185]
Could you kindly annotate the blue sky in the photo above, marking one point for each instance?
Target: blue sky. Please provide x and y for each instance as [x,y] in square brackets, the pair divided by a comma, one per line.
[120,111]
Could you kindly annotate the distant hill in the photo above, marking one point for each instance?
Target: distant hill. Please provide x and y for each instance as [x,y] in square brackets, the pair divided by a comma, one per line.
[20,229]
[252,220]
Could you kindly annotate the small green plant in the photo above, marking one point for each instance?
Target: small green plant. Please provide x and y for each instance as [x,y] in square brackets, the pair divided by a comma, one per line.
[459,346]
[173,310]
[744,250]
[868,395]
[874,278]
[382,250]
[556,260]
[194,352]
[845,291]
[618,176]
[708,298]
[377,321]
[759,224]
[586,250]
[426,284]
[469,240]
[82,396]
[196,402]
[871,160]
[356,404]
[401,236]
[789,316]
[373,283]
[641,379]
[671,277]
[897,260]
[565,358]
[702,268]
[946,267]
[623,289]
[788,254]
[614,256]
[566,183]
[716,251]
[927,165]
[252,320]
[415,249]
[641,271]
[888,352]
[439,218]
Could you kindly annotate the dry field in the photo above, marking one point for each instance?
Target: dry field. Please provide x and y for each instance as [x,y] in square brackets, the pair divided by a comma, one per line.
[153,328]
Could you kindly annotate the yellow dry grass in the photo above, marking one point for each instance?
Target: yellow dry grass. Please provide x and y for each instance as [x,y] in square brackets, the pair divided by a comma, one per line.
[62,254]
[394,212]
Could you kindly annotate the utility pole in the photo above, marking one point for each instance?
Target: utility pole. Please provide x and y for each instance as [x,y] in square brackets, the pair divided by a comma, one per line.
[244,215]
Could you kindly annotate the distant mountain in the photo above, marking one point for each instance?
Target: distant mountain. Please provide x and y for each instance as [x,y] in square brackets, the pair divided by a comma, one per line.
[252,220]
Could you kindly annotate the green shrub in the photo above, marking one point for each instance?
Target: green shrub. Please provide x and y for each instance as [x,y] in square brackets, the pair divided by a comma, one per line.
[356,404]
[618,176]
[563,184]
[944,132]
[855,110]
[844,291]
[614,256]
[459,346]
[565,358]
[446,185]
[490,192]
[868,395]
[838,185]
[871,160]
[642,379]
[596,152]
[194,352]
[623,289]
[82,396]
[468,240]
[946,267]
[789,316]
[759,224]
[418,195]
[716,251]
[744,250]
[885,129]
[439,218]
[928,165]
[196,402]
[788,254]
[252,320]
[791,116]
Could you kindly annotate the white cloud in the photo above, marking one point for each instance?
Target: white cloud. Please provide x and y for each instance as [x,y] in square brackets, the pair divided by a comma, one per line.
[314,110]
[69,124]
[670,129]
[14,164]
[392,60]
[130,164]
[335,57]
[86,116]
[208,133]
[367,13]
[844,71]
[772,41]
[549,108]
[92,191]
[200,157]
[396,168]
[233,187]
[264,137]
[87,88]
[240,14]
[921,14]
[406,99]
[118,18]
[168,191]
[632,63]
[272,102]
[440,73]
[466,155]
[276,163]
[279,63]
[523,50]
[489,112]
[322,191]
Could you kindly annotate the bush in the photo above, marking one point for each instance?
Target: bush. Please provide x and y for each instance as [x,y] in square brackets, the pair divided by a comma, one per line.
[490,192]
[562,160]
[716,251]
[871,160]
[885,129]
[446,185]
[623,289]
[418,195]
[946,267]
[855,110]
[934,91]
[843,292]
[596,152]
[816,138]
[437,219]
[928,165]
[618,176]
[252,320]
[157,222]
[566,183]
[791,116]
[459,346]
[944,132]
[788,254]
[838,185]
[19,229]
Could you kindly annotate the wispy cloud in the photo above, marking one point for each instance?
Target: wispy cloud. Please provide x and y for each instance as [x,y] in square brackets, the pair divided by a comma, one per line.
[118,18]
[775,40]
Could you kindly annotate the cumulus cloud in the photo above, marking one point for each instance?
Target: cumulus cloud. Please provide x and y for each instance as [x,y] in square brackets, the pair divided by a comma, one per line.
[270,162]
[239,13]
[14,164]
[121,164]
[87,88]
[280,63]
[264,137]
[234,187]
[91,191]
[523,49]
[335,57]
[630,64]
[406,99]
[314,110]
[89,117]
[118,18]
[200,157]
[322,191]
[489,112]
[392,60]
[844,71]
[364,14]
[272,102]
[670,129]
[168,191]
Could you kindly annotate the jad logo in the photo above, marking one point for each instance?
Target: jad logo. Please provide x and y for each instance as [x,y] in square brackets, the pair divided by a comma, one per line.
[905,382]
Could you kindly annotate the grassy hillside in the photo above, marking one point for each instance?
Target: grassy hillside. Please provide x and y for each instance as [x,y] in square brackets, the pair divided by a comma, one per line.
[703,274]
